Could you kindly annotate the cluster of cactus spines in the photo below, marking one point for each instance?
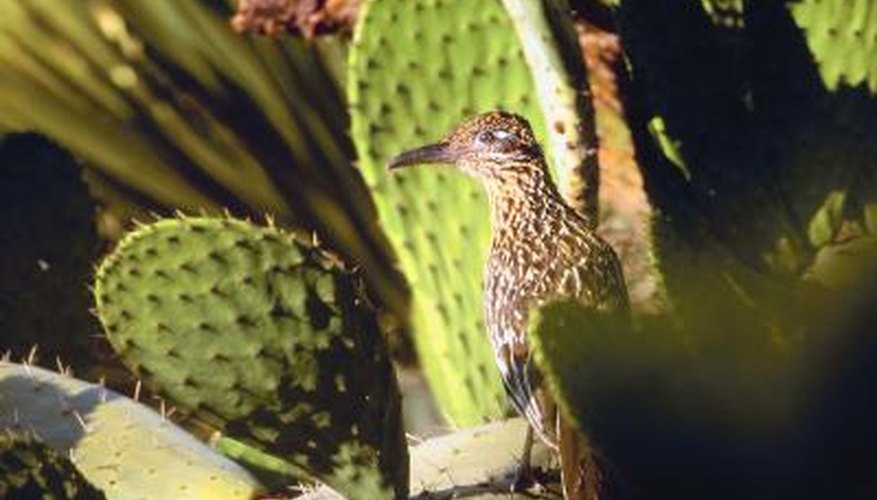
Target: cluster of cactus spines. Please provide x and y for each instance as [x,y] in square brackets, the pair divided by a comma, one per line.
[416,70]
[264,337]
[30,469]
[842,35]
[49,242]
[122,447]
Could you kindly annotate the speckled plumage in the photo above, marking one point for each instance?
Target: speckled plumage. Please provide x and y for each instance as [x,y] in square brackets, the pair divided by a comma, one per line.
[541,249]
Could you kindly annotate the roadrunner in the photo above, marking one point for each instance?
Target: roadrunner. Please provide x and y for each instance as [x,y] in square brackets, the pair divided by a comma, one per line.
[541,250]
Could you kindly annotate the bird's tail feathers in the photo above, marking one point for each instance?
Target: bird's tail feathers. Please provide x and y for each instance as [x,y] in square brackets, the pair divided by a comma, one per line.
[580,472]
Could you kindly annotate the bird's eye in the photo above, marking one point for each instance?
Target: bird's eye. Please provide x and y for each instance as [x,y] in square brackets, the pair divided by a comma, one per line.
[492,136]
[485,137]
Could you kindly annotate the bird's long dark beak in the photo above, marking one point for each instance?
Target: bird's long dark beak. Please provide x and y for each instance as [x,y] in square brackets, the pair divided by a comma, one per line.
[440,152]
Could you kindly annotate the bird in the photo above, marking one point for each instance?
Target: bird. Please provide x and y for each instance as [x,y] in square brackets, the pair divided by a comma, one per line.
[541,250]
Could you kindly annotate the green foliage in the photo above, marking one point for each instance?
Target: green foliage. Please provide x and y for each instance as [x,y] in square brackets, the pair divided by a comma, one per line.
[49,241]
[30,469]
[263,337]
[122,447]
[416,70]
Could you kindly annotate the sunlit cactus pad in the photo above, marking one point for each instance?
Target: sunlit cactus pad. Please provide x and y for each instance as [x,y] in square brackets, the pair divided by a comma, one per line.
[262,336]
[122,447]
[842,35]
[478,463]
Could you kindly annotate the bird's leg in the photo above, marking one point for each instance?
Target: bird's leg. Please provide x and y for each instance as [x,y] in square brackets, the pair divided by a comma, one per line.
[524,473]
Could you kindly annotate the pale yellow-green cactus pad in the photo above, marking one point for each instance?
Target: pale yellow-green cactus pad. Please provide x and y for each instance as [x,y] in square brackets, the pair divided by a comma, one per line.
[124,448]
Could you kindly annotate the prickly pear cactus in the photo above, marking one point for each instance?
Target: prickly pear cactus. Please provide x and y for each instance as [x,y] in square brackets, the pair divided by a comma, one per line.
[166,100]
[30,469]
[417,68]
[756,149]
[652,399]
[485,456]
[478,463]
[263,337]
[551,48]
[122,447]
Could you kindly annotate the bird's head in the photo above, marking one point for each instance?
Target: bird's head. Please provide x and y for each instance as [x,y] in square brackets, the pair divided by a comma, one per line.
[485,146]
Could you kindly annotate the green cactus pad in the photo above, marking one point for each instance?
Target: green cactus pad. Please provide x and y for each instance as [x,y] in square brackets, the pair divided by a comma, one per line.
[122,447]
[656,400]
[263,337]
[417,68]
[30,469]
[551,47]
[842,35]
[479,463]
[594,361]
[577,350]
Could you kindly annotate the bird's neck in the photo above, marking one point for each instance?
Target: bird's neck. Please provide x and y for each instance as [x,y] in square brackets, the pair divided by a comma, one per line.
[521,200]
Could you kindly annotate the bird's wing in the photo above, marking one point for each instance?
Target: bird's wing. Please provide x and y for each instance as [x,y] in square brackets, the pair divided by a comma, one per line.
[594,277]
[596,280]
[581,473]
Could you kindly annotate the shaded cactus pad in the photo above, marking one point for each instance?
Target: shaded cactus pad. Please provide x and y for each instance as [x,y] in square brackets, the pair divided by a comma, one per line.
[30,469]
[263,337]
